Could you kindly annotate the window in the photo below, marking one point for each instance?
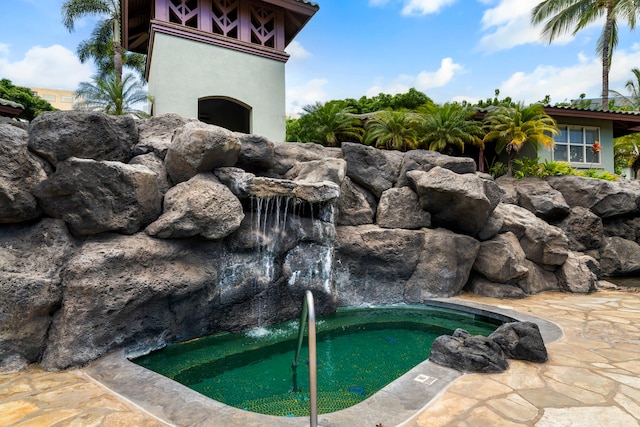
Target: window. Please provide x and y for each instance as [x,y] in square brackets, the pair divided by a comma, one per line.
[573,144]
[49,98]
[67,99]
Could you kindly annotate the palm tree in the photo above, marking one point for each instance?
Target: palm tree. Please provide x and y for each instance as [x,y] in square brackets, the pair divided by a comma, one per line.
[100,48]
[634,89]
[393,130]
[626,151]
[112,97]
[108,27]
[330,124]
[562,16]
[450,125]
[512,127]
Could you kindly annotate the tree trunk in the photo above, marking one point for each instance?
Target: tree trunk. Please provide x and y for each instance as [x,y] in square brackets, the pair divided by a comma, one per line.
[606,56]
[481,160]
[117,51]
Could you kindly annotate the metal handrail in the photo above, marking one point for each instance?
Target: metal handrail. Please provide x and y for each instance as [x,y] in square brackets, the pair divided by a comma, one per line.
[308,313]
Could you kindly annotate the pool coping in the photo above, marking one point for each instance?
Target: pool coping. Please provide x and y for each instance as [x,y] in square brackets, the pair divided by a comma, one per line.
[394,405]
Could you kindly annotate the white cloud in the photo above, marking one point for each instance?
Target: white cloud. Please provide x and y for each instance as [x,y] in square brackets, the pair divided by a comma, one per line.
[424,7]
[508,24]
[4,49]
[311,92]
[423,81]
[563,84]
[416,7]
[53,67]
[376,3]
[297,51]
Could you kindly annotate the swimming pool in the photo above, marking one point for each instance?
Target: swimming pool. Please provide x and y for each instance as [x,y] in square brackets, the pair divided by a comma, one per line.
[360,351]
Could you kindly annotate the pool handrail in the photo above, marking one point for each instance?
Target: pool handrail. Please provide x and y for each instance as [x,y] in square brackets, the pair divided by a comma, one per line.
[309,314]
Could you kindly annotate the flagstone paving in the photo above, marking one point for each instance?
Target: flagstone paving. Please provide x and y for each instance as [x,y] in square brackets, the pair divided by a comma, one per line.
[592,379]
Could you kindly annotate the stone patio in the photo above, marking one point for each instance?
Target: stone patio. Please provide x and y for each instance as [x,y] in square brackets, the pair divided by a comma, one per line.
[592,379]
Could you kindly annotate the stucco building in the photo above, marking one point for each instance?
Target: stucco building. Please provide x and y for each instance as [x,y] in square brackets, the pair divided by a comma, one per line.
[222,61]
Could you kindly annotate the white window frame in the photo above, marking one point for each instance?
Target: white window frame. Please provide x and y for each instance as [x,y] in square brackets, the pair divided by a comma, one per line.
[582,147]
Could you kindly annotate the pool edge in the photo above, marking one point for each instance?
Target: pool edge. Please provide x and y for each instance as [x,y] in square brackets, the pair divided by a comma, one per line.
[394,405]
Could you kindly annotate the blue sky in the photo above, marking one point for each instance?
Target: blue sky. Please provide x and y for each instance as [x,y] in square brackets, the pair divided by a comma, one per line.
[449,49]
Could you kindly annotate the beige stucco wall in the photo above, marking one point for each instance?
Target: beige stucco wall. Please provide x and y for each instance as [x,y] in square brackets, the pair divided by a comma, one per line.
[182,71]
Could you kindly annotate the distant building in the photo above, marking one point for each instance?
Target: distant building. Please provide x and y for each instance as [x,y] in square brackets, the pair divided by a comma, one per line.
[58,98]
[221,61]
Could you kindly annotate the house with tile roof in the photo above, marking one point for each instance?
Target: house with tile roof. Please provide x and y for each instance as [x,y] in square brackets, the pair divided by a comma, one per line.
[221,61]
[579,129]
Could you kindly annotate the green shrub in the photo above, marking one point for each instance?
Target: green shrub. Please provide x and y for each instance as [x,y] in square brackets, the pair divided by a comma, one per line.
[533,167]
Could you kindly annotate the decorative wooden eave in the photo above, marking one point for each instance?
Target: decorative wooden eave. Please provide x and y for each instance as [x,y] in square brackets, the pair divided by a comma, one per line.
[10,108]
[262,27]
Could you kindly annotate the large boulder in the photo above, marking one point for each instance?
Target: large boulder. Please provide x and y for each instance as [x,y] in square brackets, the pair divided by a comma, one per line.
[60,135]
[153,162]
[521,341]
[481,286]
[132,292]
[539,197]
[425,160]
[576,274]
[444,265]
[356,206]
[201,207]
[198,147]
[331,169]
[542,243]
[501,259]
[619,257]
[604,198]
[156,133]
[257,153]
[625,227]
[20,172]
[31,260]
[583,228]
[94,197]
[508,185]
[372,264]
[455,201]
[467,353]
[374,169]
[400,208]
[246,185]
[288,154]
[539,279]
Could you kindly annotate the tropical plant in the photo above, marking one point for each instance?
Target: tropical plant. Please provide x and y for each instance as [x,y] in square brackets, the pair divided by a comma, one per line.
[626,152]
[112,96]
[327,124]
[32,104]
[562,16]
[107,29]
[512,127]
[393,130]
[100,49]
[533,167]
[633,86]
[450,125]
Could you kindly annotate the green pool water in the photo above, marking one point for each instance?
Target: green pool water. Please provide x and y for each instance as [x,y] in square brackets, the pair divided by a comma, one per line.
[359,351]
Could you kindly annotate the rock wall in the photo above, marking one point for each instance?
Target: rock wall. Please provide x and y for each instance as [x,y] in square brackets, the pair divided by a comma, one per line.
[117,233]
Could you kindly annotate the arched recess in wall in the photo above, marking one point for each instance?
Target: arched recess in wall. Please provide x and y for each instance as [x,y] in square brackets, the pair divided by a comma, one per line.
[225,112]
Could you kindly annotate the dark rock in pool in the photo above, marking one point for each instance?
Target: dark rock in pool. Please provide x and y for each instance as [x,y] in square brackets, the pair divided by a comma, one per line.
[468,353]
[521,341]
